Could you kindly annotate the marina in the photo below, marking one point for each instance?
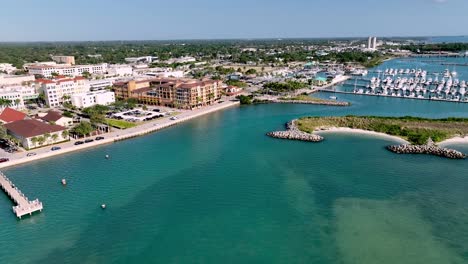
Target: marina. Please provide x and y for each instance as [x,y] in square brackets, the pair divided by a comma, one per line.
[24,205]
[415,83]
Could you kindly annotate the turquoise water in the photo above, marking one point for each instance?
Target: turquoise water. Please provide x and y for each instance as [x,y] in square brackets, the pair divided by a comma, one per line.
[216,189]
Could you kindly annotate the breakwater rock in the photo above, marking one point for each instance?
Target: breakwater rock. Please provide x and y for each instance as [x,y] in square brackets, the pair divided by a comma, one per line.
[293,133]
[331,103]
[427,149]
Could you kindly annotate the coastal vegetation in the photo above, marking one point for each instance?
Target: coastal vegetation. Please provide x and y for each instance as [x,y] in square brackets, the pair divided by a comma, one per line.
[236,83]
[288,86]
[414,129]
[305,98]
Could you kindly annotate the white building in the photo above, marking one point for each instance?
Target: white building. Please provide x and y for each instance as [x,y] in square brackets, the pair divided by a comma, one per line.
[181,60]
[57,91]
[6,67]
[119,70]
[18,94]
[96,85]
[67,70]
[93,98]
[8,80]
[166,74]
[143,59]
[372,43]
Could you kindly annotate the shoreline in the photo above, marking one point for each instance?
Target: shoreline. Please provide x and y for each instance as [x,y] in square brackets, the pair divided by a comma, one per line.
[454,141]
[115,136]
[347,130]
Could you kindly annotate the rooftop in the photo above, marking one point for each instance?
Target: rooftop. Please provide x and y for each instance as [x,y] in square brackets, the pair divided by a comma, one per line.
[32,128]
[10,115]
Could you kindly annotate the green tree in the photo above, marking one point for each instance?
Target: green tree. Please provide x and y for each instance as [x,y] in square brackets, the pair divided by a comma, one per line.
[34,140]
[54,137]
[41,140]
[3,131]
[65,134]
[84,128]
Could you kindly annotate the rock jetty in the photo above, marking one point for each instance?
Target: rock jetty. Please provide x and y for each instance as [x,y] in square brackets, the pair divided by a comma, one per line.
[427,149]
[293,133]
[324,102]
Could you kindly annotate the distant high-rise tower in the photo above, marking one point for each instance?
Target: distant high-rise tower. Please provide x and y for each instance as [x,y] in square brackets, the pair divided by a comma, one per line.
[372,43]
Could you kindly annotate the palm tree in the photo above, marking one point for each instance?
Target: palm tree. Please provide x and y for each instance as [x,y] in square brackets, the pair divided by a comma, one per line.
[34,141]
[65,134]
[17,102]
[54,137]
[41,140]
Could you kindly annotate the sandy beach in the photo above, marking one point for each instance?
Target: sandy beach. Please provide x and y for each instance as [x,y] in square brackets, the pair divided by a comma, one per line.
[46,152]
[455,140]
[360,131]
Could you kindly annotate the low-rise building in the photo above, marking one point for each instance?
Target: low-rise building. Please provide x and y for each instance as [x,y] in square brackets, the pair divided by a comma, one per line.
[67,70]
[119,70]
[9,80]
[84,100]
[59,90]
[96,85]
[7,68]
[33,133]
[55,117]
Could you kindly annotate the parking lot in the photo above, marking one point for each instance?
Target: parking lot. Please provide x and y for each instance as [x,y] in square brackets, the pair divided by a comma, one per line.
[139,115]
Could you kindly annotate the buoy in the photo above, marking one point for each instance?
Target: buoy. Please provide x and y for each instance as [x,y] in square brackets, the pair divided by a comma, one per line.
[107,156]
[64,182]
[103,206]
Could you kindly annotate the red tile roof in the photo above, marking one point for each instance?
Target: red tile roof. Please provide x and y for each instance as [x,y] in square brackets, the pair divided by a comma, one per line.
[52,116]
[32,128]
[10,115]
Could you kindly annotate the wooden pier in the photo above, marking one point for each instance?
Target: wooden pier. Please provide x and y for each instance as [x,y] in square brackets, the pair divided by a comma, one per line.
[23,205]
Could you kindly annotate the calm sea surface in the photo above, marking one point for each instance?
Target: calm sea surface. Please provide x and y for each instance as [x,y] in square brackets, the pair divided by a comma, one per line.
[216,189]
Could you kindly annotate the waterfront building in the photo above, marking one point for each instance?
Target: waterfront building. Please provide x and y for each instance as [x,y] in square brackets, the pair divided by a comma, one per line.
[55,117]
[64,59]
[8,80]
[123,90]
[67,70]
[59,90]
[9,115]
[88,99]
[33,133]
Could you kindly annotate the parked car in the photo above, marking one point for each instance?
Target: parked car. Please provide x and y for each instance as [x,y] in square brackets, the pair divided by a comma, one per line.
[79,143]
[174,118]
[30,154]
[99,138]
[4,160]
[88,140]
[55,148]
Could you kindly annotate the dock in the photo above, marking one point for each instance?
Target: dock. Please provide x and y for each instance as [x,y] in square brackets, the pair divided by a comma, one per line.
[23,205]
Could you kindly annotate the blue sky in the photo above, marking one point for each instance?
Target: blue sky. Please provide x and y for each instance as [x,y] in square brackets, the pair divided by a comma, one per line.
[52,20]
